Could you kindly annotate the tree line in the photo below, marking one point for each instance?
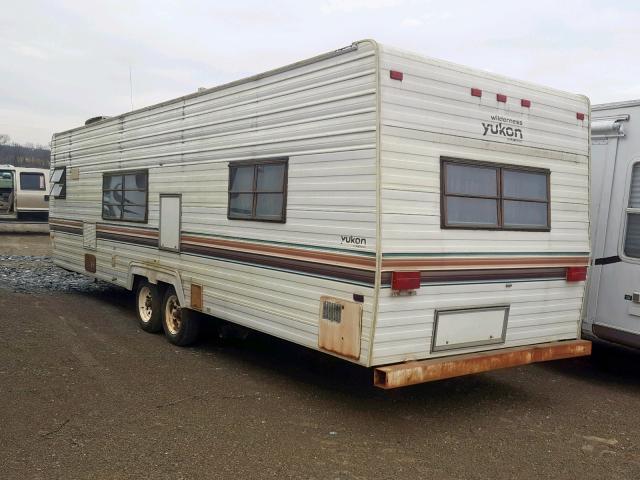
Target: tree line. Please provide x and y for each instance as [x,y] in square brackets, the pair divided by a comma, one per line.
[23,155]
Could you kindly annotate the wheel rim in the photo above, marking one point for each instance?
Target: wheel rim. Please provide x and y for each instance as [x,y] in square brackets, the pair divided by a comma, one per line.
[172,314]
[145,305]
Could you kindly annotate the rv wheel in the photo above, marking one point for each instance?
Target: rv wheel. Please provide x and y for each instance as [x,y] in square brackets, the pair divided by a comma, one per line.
[180,326]
[148,307]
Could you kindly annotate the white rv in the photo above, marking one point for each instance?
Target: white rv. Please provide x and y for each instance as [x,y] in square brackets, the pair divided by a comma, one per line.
[23,192]
[613,310]
[400,212]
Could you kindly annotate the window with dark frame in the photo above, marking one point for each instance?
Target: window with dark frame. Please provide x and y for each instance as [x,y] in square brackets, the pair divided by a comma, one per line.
[632,232]
[478,195]
[258,190]
[32,181]
[58,183]
[124,196]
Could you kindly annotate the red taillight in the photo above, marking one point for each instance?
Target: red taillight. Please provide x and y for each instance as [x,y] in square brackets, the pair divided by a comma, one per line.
[405,280]
[396,75]
[580,116]
[501,98]
[476,92]
[576,274]
[525,103]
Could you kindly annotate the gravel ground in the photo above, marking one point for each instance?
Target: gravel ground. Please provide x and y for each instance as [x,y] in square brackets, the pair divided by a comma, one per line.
[38,275]
[86,394]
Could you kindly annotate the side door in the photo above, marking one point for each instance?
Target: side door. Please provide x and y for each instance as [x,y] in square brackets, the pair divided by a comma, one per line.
[31,191]
[7,193]
[170,222]
[618,300]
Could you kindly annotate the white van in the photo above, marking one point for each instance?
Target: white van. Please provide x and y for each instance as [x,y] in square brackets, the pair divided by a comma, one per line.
[23,192]
[403,213]
[613,309]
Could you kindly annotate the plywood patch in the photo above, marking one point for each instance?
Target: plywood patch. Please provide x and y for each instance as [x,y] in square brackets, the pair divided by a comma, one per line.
[196,296]
[340,326]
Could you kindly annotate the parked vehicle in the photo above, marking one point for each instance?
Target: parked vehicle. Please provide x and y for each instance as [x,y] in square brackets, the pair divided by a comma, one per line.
[400,212]
[613,309]
[23,192]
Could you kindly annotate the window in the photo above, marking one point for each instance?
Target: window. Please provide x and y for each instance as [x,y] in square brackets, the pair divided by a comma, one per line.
[124,196]
[31,181]
[479,195]
[632,235]
[258,191]
[59,183]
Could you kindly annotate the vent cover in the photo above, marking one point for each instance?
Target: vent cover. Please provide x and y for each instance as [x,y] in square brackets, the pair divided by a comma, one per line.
[332,311]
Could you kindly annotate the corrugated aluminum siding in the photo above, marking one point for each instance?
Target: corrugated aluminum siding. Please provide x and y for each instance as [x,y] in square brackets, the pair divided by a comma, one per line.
[321,115]
[431,114]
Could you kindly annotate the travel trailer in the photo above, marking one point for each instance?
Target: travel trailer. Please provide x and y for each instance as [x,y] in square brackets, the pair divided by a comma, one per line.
[23,192]
[613,309]
[403,213]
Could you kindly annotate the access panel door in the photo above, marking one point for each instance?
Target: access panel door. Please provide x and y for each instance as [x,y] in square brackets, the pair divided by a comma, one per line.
[170,212]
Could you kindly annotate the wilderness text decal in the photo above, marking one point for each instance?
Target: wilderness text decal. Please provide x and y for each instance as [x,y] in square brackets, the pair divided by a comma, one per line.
[509,128]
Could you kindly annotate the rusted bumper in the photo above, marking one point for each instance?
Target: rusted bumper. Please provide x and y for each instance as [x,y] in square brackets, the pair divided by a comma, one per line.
[411,373]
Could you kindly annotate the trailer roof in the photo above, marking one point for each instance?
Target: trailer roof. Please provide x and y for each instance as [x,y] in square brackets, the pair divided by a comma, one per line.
[623,104]
[234,83]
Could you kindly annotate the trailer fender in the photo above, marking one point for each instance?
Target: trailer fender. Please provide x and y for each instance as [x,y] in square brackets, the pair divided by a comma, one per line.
[155,274]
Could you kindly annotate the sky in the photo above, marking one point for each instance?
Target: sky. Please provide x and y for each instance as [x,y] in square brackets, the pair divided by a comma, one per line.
[63,62]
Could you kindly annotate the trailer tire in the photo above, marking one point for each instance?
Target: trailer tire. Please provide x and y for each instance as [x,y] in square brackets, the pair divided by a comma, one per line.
[149,307]
[180,326]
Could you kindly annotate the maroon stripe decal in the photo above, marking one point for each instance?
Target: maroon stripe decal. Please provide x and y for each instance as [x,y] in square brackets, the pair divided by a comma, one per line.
[148,242]
[65,229]
[486,275]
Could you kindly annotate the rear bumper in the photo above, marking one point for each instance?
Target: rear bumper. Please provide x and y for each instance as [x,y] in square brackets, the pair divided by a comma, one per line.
[412,373]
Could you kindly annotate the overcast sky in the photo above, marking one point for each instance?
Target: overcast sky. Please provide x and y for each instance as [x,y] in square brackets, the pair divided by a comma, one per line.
[63,62]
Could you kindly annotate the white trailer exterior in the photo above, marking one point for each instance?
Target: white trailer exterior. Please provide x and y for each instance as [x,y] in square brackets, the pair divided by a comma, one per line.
[613,311]
[372,257]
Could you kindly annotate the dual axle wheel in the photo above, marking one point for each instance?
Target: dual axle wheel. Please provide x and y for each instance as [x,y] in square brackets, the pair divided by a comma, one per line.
[159,309]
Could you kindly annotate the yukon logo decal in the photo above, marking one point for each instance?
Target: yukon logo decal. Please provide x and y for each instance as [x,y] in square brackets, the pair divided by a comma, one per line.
[353,241]
[506,127]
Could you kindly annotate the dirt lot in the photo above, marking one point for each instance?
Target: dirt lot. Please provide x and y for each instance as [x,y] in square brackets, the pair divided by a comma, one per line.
[85,394]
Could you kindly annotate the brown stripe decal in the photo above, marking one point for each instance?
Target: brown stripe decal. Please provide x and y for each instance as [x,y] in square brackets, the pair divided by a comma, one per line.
[367,263]
[127,231]
[336,271]
[66,226]
[343,266]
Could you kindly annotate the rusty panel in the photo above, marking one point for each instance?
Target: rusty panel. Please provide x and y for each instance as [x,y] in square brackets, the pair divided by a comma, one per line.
[411,373]
[196,296]
[90,263]
[340,326]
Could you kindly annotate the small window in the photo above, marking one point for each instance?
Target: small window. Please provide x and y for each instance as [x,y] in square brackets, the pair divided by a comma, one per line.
[258,191]
[31,181]
[632,235]
[496,197]
[124,196]
[59,183]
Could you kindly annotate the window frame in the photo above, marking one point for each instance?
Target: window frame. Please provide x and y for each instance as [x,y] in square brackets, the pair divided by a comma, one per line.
[146,198]
[626,212]
[62,182]
[255,163]
[41,175]
[499,197]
